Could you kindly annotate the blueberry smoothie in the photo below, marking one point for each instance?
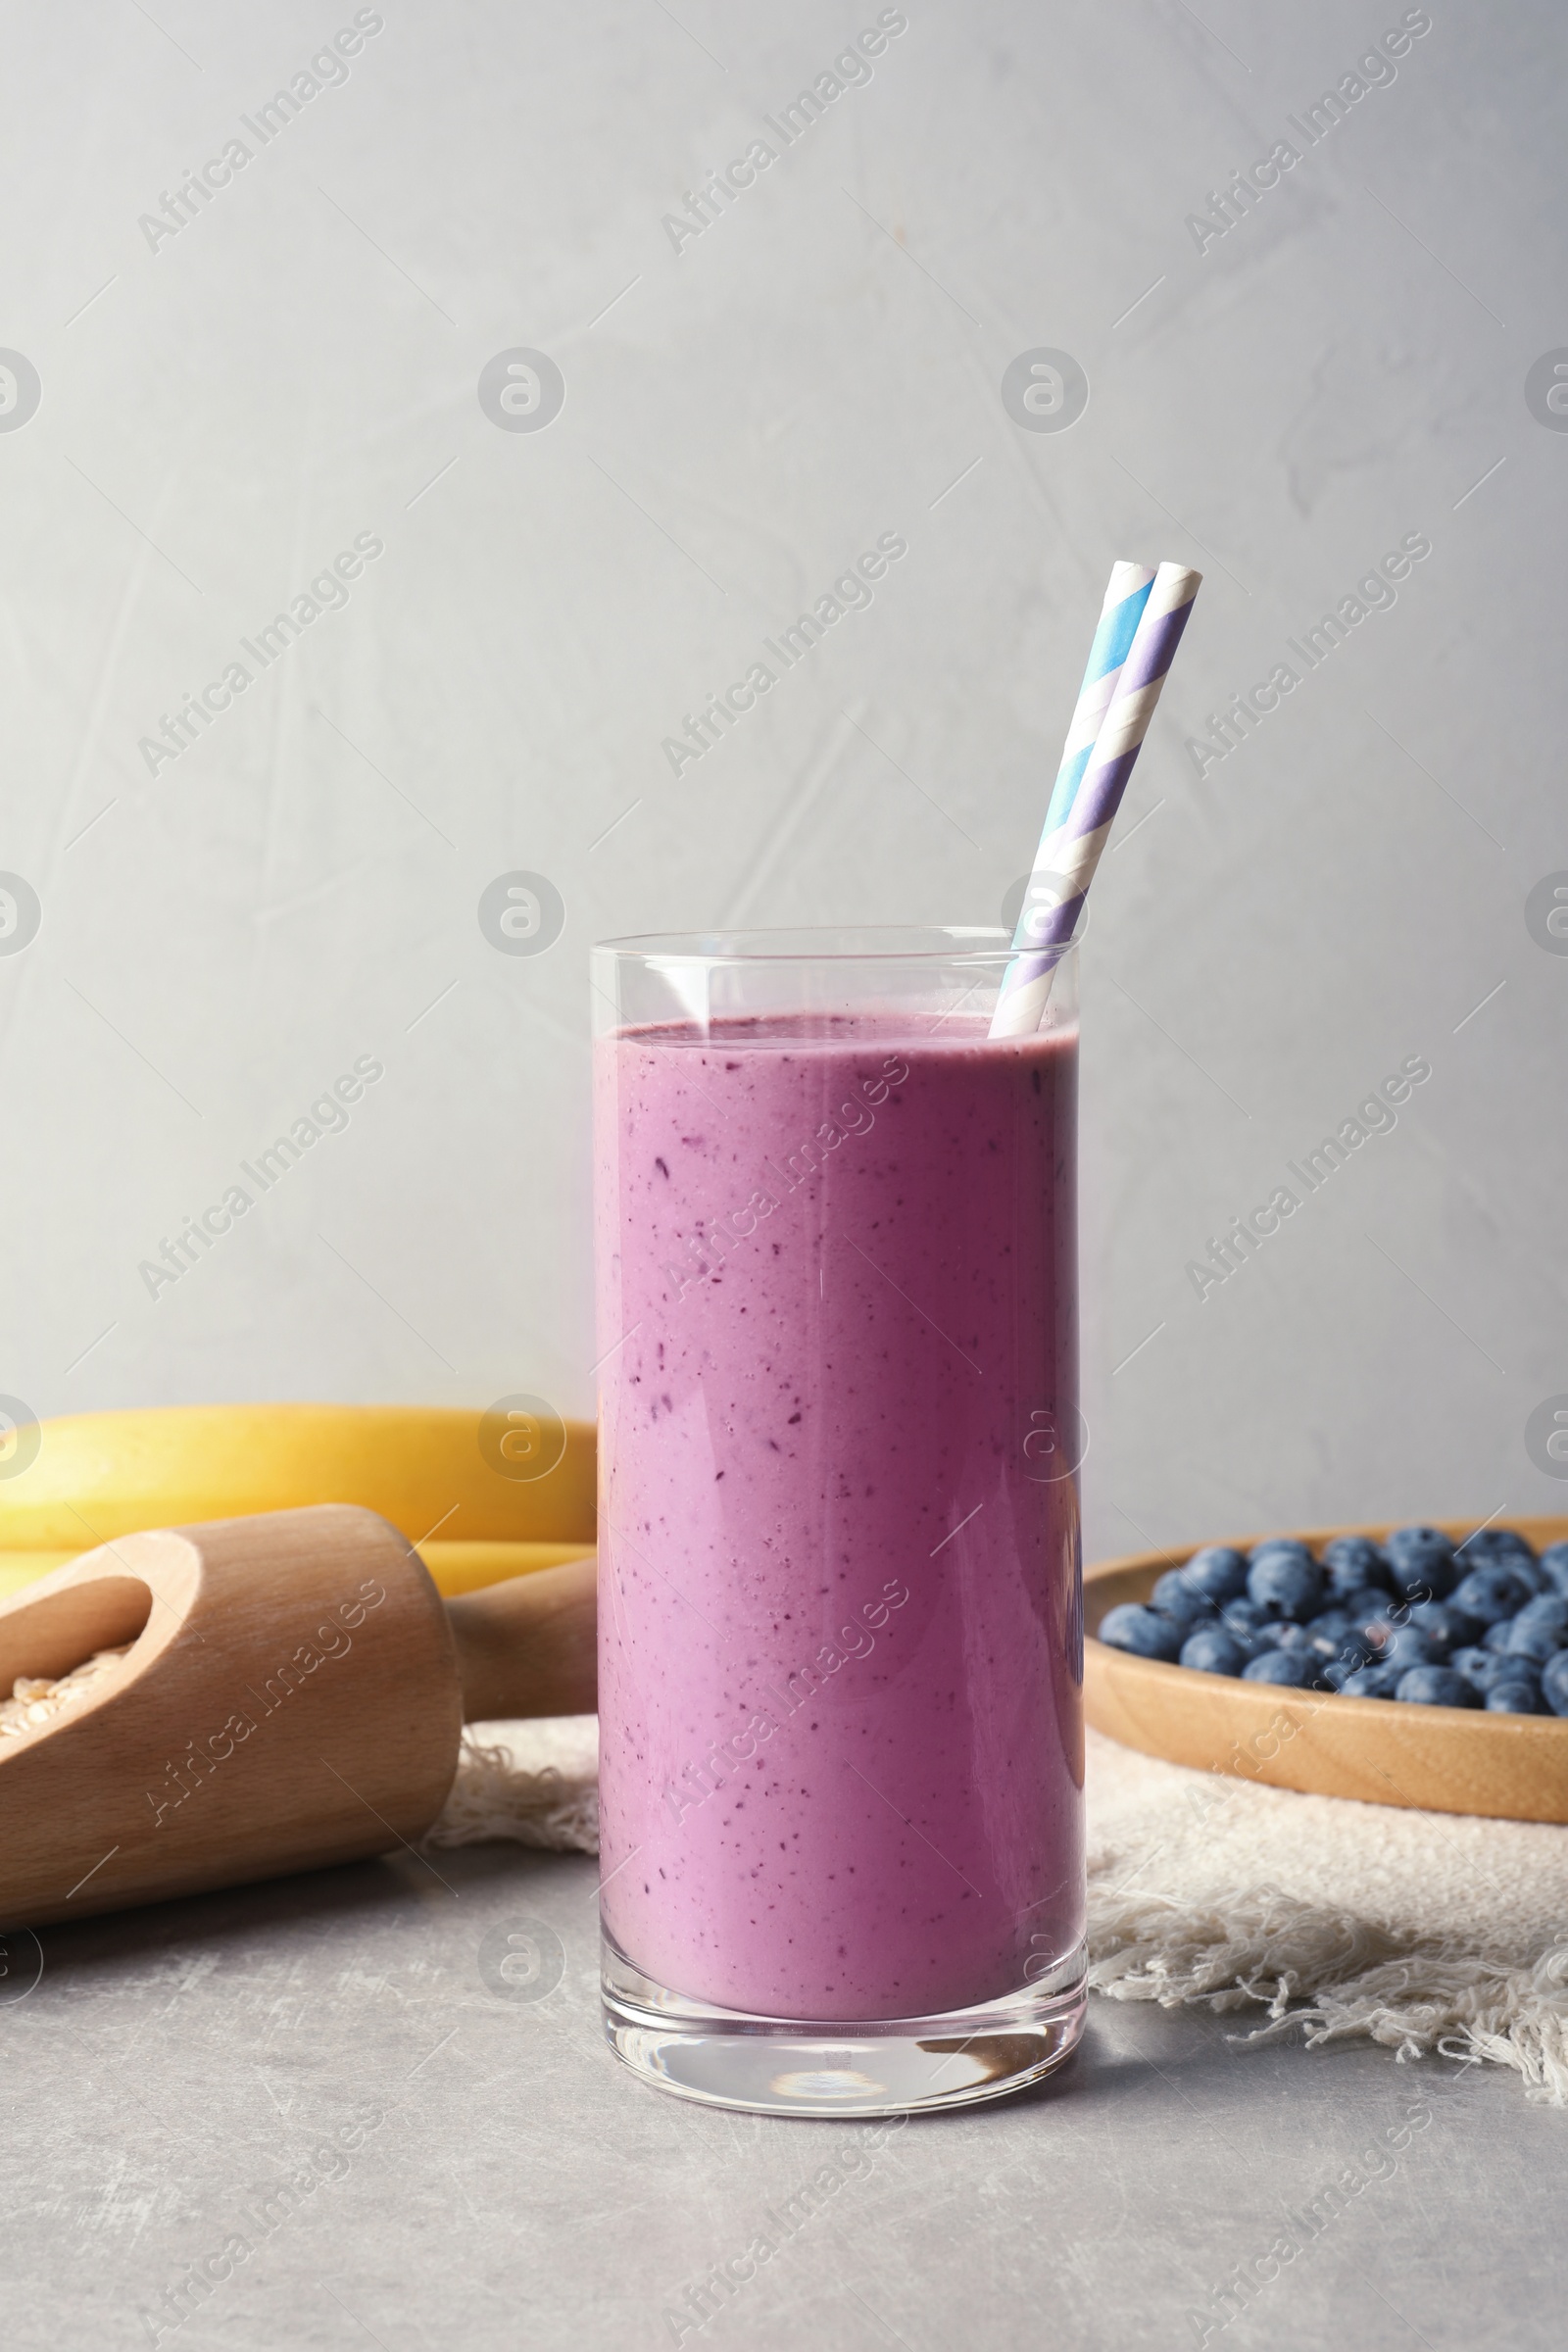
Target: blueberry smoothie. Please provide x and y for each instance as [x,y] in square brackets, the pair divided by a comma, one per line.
[840,1642]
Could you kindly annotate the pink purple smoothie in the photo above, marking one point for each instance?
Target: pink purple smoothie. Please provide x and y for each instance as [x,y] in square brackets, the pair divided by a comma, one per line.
[841,1733]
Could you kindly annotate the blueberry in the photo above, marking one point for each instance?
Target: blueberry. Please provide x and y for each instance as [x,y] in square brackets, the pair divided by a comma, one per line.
[1446,1628]
[1370,1607]
[1218,1569]
[1513,1697]
[1420,1562]
[1374,1682]
[1297,1668]
[1536,1643]
[1288,1579]
[1503,1548]
[1213,1650]
[1244,1614]
[1549,1609]
[1337,1672]
[1539,1637]
[1253,1640]
[1490,1546]
[1352,1563]
[1291,1546]
[1483,1667]
[1408,1645]
[1554,1566]
[1278,1632]
[1436,1687]
[1496,1635]
[1143,1632]
[1492,1592]
[1177,1597]
[1555,1682]
[1337,1636]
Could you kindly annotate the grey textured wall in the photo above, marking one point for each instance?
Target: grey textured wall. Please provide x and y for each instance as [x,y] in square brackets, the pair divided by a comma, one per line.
[1281,399]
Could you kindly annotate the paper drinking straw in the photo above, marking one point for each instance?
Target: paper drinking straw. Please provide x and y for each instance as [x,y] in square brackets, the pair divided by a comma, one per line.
[1070,850]
[1126,595]
[1123,608]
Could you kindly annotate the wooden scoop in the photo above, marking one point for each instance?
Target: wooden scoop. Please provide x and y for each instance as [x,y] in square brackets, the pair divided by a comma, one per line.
[291,1695]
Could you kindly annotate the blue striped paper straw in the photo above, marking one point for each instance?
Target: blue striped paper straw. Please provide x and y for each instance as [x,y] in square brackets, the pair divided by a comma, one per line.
[1077,843]
[1126,595]
[1123,608]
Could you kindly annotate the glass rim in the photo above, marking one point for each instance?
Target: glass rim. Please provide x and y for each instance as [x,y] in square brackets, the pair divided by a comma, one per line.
[825,943]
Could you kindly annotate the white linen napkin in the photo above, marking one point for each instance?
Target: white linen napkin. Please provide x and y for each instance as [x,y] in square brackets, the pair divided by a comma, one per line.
[1421,1931]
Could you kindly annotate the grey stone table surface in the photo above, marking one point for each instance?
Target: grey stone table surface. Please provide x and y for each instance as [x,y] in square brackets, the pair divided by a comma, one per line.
[305,2114]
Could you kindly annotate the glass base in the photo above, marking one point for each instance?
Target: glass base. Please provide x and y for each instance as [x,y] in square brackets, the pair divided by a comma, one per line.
[859,2067]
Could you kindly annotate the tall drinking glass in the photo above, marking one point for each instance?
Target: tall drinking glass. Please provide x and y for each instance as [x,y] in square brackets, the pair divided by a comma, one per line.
[839,1621]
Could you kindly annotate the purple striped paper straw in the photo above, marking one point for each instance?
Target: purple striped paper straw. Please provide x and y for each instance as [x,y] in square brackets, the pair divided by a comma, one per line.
[1078,841]
[1126,595]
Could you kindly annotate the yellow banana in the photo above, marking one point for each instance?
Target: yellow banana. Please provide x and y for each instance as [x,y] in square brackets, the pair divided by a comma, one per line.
[445,1475]
[464,1567]
[456,1567]
[18,1568]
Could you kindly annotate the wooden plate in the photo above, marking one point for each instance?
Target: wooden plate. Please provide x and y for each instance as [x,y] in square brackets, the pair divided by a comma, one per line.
[1442,1759]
